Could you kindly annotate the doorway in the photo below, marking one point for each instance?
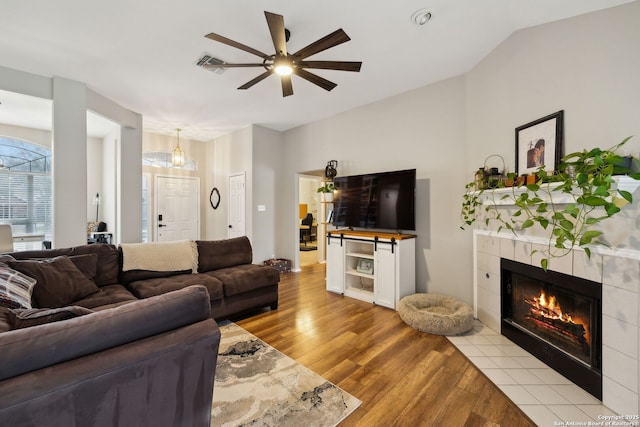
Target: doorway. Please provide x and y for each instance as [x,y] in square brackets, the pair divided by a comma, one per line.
[236,212]
[177,208]
[310,218]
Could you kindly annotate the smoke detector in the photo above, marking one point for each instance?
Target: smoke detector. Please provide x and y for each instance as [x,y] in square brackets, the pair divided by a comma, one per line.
[206,59]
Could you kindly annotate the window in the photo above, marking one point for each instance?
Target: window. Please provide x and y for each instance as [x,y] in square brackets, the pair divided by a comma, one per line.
[25,187]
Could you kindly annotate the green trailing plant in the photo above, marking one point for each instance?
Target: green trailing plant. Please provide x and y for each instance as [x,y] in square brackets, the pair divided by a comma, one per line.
[327,188]
[584,178]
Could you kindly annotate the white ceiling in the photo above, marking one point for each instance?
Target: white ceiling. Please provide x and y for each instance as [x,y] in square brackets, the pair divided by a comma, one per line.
[142,53]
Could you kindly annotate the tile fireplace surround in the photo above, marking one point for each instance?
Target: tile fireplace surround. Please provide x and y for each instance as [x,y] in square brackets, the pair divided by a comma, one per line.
[619,273]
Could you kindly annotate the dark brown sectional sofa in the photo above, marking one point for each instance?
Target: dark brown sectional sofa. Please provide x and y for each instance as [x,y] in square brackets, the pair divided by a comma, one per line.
[225,268]
[104,346]
[147,363]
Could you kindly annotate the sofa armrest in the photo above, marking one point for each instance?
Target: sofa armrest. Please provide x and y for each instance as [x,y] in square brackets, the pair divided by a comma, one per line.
[28,349]
[163,380]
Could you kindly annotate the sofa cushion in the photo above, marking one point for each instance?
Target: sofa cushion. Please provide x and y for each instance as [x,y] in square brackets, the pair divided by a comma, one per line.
[127,277]
[57,342]
[108,265]
[59,281]
[87,264]
[216,254]
[107,268]
[245,278]
[26,318]
[4,258]
[15,288]
[150,287]
[108,296]
[6,318]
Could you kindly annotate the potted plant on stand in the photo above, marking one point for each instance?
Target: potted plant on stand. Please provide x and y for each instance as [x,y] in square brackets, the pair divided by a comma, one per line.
[327,191]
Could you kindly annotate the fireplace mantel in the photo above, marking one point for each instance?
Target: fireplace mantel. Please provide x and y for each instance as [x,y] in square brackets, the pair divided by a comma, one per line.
[507,196]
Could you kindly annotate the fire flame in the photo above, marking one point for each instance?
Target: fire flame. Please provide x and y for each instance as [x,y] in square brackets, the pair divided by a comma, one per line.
[552,308]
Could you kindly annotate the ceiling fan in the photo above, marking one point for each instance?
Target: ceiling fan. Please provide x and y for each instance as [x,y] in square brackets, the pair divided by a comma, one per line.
[285,64]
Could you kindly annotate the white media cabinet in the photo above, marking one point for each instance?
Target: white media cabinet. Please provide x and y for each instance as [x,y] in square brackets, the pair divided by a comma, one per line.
[370,266]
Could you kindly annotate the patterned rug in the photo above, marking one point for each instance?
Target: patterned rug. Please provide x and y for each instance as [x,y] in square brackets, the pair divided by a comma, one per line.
[257,385]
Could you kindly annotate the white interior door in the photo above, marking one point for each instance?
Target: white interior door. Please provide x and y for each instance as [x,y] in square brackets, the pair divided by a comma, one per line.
[177,208]
[236,212]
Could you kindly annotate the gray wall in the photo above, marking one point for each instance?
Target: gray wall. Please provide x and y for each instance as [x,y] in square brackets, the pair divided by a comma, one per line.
[423,129]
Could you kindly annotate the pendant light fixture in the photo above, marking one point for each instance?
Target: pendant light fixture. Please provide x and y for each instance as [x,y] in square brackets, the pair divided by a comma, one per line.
[177,155]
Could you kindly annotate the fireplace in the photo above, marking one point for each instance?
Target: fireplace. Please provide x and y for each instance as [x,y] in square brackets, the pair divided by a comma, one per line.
[557,318]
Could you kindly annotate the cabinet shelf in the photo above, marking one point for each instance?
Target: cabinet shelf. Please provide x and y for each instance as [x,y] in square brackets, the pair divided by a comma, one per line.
[360,255]
[366,292]
[359,274]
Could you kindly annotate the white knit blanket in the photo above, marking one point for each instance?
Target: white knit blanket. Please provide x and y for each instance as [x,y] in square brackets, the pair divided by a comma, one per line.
[160,256]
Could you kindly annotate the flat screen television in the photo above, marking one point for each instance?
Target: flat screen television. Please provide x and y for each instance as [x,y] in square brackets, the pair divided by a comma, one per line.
[384,200]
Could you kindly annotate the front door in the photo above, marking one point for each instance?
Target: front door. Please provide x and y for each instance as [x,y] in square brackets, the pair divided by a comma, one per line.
[177,208]
[236,206]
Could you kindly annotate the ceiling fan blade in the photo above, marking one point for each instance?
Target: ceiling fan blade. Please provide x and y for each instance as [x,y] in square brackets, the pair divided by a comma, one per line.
[258,79]
[233,43]
[328,41]
[276,27]
[315,79]
[332,65]
[231,65]
[287,87]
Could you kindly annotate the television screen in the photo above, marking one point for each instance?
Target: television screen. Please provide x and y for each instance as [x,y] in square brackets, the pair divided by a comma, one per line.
[383,200]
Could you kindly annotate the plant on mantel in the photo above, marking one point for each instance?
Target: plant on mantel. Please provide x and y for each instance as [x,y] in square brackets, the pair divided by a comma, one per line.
[569,205]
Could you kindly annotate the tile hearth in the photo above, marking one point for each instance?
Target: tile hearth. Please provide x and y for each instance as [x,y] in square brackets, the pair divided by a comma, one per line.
[547,397]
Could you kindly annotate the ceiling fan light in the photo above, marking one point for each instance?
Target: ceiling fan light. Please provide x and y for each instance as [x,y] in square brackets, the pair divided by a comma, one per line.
[283,70]
[283,66]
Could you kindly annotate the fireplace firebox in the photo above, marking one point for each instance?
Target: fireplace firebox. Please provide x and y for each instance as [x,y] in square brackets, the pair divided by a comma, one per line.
[557,318]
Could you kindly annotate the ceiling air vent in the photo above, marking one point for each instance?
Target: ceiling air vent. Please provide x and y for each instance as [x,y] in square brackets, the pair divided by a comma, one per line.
[208,59]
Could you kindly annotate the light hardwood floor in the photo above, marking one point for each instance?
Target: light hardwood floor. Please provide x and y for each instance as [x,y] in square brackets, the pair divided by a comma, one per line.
[402,376]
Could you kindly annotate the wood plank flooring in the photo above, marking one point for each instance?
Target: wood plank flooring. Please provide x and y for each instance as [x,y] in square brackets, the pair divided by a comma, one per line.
[403,377]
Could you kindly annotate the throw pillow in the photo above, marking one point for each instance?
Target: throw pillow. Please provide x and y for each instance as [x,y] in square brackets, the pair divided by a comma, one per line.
[34,316]
[87,263]
[59,281]
[15,288]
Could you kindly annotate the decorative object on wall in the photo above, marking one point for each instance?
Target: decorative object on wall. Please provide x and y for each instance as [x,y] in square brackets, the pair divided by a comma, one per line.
[539,144]
[214,198]
[568,205]
[331,170]
[177,155]
[96,201]
[285,64]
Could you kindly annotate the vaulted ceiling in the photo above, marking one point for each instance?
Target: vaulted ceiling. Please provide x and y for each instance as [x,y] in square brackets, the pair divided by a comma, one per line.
[142,54]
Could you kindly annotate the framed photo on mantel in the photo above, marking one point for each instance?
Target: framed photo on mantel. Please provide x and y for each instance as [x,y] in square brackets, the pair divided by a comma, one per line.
[539,144]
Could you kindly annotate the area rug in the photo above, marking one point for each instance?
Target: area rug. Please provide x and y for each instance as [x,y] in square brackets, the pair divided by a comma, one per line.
[256,385]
